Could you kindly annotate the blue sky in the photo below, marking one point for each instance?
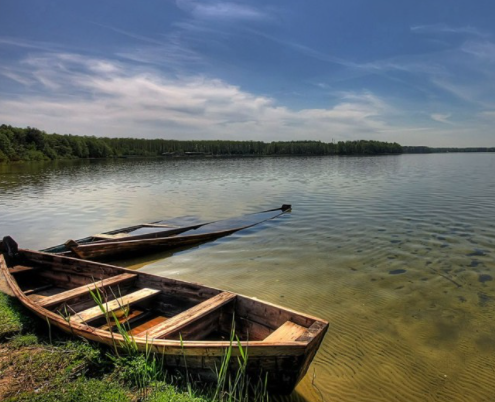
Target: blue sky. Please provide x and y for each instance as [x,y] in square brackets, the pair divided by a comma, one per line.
[419,73]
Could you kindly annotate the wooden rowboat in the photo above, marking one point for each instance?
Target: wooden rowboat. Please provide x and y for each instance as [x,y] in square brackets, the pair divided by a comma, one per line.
[157,236]
[189,324]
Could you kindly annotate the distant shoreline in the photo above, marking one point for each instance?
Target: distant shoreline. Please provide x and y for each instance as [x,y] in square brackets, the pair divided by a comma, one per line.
[31,144]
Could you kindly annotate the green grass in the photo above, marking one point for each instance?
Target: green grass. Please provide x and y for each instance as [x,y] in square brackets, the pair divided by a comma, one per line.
[82,390]
[23,340]
[39,363]
[13,319]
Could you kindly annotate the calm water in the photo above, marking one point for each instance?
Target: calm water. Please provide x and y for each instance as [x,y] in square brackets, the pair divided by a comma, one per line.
[396,252]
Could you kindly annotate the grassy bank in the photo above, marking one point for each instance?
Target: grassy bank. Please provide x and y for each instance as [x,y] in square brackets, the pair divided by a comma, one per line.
[38,363]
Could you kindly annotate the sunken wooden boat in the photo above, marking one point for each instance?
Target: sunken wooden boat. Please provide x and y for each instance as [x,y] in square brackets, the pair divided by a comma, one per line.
[189,324]
[158,236]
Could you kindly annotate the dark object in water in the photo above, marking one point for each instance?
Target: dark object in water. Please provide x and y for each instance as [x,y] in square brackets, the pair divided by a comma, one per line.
[397,271]
[157,236]
[484,278]
[189,324]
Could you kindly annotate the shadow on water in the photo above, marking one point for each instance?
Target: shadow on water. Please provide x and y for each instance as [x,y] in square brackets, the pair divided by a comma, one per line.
[141,261]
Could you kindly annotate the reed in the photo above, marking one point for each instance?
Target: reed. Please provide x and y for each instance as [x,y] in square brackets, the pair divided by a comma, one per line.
[238,386]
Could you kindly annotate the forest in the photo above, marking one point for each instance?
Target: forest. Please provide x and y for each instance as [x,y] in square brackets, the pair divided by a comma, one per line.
[430,150]
[32,144]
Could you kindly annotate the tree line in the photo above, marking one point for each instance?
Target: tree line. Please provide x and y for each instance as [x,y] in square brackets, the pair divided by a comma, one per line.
[32,144]
[430,150]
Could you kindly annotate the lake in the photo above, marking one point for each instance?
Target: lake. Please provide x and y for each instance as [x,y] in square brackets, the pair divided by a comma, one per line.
[396,252]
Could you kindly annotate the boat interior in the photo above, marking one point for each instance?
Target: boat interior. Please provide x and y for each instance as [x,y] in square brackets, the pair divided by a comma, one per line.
[147,305]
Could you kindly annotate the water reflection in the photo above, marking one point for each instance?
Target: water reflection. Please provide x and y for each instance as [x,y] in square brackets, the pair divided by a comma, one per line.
[397,253]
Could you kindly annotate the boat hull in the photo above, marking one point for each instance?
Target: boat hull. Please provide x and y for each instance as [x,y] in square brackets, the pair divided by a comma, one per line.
[96,248]
[107,250]
[282,356]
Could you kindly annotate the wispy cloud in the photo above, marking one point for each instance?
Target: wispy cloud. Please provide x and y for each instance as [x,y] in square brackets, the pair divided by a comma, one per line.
[132,35]
[303,49]
[221,10]
[442,118]
[27,44]
[484,51]
[446,29]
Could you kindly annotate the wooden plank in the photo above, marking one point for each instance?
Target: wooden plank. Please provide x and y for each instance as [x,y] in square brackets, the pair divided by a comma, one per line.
[187,317]
[142,328]
[316,329]
[125,319]
[110,236]
[200,329]
[270,315]
[289,332]
[82,290]
[95,312]
[21,268]
[4,283]
[185,290]
[36,290]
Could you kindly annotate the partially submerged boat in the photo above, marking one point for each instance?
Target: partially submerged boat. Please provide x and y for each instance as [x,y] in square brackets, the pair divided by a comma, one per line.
[157,236]
[189,324]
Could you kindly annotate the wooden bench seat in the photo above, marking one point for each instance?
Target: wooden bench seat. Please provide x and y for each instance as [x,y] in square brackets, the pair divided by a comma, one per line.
[104,236]
[82,290]
[179,321]
[288,331]
[121,302]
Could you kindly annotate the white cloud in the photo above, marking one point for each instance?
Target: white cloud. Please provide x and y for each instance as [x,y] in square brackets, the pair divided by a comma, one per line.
[442,118]
[488,114]
[101,97]
[221,10]
[484,51]
[70,93]
[446,29]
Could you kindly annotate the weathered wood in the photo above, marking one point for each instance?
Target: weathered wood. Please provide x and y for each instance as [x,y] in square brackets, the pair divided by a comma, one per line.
[4,283]
[252,330]
[18,269]
[110,243]
[110,236]
[181,289]
[81,290]
[200,329]
[36,290]
[269,314]
[286,332]
[143,327]
[131,316]
[205,328]
[121,302]
[313,338]
[313,331]
[179,321]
